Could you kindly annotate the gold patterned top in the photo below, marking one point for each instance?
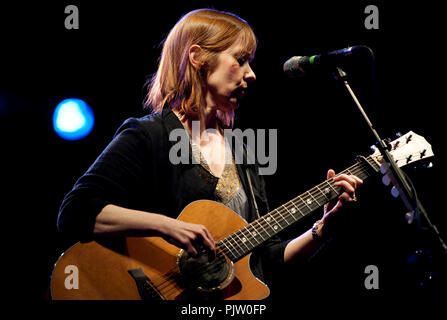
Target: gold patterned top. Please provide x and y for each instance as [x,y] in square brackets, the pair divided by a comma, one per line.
[228,184]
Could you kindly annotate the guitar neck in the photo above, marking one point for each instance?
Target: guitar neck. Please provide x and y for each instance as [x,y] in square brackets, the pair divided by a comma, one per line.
[246,239]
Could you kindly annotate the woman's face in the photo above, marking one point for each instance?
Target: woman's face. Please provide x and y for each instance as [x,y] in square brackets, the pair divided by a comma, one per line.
[228,82]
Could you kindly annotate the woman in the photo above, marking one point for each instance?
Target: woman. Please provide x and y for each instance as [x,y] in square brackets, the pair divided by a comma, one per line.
[133,189]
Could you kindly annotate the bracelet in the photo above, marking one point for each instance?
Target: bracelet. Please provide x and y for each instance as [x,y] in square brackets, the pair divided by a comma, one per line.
[315,235]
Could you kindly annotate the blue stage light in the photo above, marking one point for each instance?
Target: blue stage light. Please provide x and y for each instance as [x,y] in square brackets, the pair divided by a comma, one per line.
[73,119]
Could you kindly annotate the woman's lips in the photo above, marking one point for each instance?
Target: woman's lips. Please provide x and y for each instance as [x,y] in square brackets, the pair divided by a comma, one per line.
[240,92]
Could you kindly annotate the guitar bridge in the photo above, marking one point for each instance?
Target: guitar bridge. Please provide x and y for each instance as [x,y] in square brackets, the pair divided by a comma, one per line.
[146,288]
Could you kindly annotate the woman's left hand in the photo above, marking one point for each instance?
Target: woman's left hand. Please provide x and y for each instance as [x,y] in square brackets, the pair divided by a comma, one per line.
[349,184]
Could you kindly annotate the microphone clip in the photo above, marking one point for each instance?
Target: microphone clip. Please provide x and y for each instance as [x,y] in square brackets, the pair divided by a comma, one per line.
[340,75]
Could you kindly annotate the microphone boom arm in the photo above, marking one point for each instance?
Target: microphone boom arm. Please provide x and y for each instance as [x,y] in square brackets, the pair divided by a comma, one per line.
[406,192]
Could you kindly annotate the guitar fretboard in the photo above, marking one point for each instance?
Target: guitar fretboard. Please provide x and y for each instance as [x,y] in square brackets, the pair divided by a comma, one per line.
[243,241]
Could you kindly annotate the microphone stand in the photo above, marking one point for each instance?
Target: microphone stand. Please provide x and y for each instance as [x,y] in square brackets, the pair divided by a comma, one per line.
[406,191]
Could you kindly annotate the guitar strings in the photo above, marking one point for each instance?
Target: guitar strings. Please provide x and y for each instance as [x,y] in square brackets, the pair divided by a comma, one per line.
[357,168]
[277,213]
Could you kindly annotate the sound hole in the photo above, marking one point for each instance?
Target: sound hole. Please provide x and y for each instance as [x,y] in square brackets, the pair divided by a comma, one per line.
[204,272]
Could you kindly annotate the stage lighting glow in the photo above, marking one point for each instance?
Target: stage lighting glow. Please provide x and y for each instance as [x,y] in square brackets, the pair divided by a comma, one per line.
[73,119]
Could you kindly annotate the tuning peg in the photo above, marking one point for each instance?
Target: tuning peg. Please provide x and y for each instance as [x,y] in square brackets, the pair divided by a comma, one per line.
[398,134]
[386,180]
[374,148]
[384,167]
[410,216]
[395,192]
[421,166]
[428,165]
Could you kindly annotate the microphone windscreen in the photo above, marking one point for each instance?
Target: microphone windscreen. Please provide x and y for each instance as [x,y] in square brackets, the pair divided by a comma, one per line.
[296,66]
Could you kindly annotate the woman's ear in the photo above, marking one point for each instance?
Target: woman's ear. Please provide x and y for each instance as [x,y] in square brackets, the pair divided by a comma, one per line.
[195,56]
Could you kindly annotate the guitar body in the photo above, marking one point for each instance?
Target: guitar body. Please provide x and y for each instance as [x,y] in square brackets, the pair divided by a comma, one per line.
[99,270]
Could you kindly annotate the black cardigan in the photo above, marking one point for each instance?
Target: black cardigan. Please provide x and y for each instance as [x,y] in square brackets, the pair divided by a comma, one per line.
[134,172]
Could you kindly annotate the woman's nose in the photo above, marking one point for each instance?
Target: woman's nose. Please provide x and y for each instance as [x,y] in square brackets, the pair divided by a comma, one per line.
[249,75]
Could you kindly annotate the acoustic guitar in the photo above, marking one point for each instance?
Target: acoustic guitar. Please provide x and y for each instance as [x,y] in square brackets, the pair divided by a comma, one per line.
[150,268]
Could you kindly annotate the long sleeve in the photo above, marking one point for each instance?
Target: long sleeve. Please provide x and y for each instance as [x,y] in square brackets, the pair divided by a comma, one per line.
[116,177]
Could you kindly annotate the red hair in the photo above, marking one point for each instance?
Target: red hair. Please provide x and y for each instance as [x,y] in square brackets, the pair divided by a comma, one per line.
[177,82]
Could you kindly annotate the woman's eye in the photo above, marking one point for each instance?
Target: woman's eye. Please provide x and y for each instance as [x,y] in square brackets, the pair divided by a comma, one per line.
[242,61]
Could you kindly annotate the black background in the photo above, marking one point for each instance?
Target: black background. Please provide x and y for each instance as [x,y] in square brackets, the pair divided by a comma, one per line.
[107,61]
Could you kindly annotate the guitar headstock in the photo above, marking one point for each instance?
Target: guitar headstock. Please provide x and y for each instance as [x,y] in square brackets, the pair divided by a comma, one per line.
[407,149]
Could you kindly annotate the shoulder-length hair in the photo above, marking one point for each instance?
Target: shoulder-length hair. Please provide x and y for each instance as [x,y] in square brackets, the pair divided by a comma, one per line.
[177,82]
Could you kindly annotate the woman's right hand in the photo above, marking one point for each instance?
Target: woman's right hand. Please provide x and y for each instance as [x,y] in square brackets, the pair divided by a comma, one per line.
[191,237]
[119,221]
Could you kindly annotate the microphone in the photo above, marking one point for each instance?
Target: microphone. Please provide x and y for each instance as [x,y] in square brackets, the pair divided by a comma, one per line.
[299,66]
